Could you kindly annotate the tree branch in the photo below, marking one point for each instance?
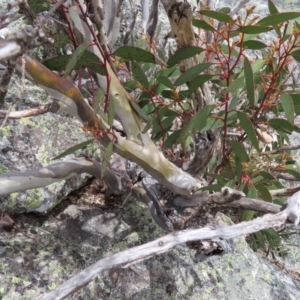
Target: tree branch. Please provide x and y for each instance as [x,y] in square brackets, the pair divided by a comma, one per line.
[166,243]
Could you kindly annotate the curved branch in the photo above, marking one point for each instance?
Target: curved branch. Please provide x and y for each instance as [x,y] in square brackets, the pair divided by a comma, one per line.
[166,243]
[18,181]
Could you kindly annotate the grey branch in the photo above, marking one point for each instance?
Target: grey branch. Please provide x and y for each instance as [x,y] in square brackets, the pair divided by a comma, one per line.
[18,181]
[166,243]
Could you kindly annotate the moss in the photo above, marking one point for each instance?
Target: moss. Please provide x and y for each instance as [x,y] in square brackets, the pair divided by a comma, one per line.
[5,131]
[27,121]
[34,199]
[15,280]
[3,169]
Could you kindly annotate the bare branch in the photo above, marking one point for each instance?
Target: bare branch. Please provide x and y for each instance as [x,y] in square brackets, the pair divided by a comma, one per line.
[152,23]
[166,243]
[285,176]
[42,109]
[284,192]
[18,181]
[282,149]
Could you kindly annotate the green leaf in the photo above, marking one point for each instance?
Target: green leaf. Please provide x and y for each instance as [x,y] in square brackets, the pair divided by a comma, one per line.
[134,53]
[296,102]
[195,124]
[87,60]
[237,84]
[249,82]
[272,237]
[282,125]
[248,127]
[247,215]
[139,75]
[164,124]
[292,172]
[239,151]
[267,175]
[251,192]
[278,18]
[288,106]
[225,10]
[166,82]
[139,111]
[149,124]
[106,158]
[234,101]
[203,25]
[217,15]
[198,81]
[183,53]
[264,192]
[238,168]
[296,55]
[74,148]
[254,29]
[254,45]
[171,139]
[75,57]
[213,123]
[272,8]
[191,73]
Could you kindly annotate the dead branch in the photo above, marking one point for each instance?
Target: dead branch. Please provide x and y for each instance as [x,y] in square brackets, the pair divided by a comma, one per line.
[283,149]
[166,243]
[284,176]
[42,109]
[11,182]
[284,192]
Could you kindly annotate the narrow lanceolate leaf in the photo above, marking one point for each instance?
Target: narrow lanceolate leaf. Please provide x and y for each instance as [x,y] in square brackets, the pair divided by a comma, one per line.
[139,75]
[249,82]
[239,151]
[267,175]
[254,45]
[75,57]
[195,124]
[264,192]
[87,60]
[183,53]
[198,81]
[254,29]
[166,82]
[248,127]
[134,53]
[191,73]
[217,15]
[237,84]
[296,102]
[296,55]
[238,168]
[282,125]
[247,215]
[203,25]
[275,19]
[74,149]
[272,8]
[288,106]
[106,158]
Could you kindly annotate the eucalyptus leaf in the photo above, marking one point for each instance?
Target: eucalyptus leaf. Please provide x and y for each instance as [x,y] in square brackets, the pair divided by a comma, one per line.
[183,53]
[248,127]
[74,149]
